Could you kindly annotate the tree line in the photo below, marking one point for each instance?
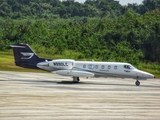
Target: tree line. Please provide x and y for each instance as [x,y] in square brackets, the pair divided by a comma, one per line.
[16,9]
[130,37]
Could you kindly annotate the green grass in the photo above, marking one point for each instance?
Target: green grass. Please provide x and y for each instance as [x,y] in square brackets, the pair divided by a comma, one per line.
[7,63]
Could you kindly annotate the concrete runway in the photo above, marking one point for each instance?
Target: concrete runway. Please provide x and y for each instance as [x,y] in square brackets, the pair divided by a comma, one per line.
[46,96]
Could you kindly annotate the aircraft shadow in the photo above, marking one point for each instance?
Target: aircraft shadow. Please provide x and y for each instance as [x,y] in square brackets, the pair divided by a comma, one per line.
[44,82]
[93,83]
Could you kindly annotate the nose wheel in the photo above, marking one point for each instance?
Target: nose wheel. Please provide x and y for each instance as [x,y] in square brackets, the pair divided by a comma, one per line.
[137,83]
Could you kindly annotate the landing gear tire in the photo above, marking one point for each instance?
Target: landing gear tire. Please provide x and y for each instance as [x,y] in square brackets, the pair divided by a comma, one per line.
[76,79]
[137,83]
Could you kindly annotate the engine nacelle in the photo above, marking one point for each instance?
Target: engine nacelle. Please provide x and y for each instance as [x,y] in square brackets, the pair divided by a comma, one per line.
[62,64]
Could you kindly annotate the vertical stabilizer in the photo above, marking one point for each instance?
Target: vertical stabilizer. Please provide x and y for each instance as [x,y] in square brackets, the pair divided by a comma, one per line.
[25,57]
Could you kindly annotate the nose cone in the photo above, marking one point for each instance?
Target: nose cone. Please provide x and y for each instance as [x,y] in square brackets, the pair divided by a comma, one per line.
[142,74]
[151,75]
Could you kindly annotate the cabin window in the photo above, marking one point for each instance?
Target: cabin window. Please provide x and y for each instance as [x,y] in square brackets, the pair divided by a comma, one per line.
[91,66]
[96,66]
[84,66]
[109,67]
[102,66]
[115,67]
[127,66]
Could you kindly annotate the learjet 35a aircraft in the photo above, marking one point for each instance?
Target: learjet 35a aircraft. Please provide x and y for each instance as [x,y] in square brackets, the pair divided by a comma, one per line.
[25,57]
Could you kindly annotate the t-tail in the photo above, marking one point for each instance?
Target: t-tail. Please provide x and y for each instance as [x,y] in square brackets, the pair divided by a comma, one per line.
[25,57]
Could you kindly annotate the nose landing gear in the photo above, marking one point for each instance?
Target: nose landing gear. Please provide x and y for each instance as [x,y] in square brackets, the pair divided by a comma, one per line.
[137,83]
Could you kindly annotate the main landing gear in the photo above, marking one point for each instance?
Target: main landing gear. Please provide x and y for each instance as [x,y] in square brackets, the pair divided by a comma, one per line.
[76,79]
[137,83]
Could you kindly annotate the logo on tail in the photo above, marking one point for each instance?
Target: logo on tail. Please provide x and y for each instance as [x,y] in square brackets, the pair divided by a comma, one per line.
[27,55]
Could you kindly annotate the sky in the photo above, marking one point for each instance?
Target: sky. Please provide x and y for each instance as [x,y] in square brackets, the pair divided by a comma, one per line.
[122,2]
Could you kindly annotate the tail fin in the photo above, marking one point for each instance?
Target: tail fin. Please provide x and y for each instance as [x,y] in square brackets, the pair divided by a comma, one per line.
[25,57]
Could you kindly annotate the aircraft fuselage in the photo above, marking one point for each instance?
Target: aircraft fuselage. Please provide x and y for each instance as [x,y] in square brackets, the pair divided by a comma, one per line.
[90,69]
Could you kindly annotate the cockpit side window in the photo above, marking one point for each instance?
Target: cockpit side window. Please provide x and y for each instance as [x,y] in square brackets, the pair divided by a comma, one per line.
[127,66]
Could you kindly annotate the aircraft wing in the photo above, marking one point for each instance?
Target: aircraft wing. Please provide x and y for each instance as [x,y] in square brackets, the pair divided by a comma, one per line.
[75,73]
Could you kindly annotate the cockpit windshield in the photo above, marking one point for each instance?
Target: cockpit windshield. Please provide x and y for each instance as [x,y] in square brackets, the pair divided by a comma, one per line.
[128,67]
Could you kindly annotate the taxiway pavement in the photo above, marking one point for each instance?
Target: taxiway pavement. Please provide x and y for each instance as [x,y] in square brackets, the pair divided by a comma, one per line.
[46,96]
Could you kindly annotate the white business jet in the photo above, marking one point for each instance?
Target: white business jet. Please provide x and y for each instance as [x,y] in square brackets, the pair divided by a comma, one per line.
[25,57]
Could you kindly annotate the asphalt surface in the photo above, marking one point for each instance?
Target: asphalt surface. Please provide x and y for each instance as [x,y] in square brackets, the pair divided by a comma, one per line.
[46,96]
